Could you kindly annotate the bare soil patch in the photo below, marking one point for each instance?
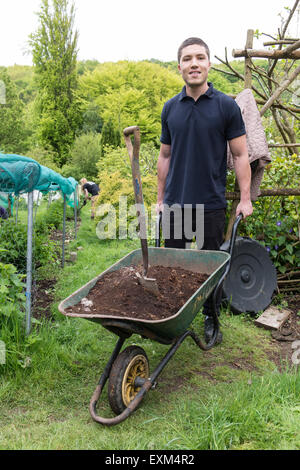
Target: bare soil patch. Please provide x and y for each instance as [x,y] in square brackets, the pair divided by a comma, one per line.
[43,297]
[288,334]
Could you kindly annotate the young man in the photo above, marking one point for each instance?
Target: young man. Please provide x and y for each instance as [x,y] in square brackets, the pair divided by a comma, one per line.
[196,126]
[89,187]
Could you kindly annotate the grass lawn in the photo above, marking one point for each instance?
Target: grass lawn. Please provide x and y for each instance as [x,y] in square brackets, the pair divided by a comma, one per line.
[231,397]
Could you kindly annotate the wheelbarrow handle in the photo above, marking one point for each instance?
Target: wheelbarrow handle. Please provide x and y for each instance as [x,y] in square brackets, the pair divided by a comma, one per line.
[157,229]
[233,234]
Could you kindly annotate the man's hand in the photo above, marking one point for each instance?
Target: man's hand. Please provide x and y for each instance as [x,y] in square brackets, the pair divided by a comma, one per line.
[244,208]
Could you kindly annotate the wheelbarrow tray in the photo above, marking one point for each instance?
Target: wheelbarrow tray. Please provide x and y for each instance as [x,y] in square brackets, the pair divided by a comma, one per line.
[212,263]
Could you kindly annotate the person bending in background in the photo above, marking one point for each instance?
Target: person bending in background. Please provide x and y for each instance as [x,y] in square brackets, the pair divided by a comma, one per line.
[3,213]
[91,191]
[197,124]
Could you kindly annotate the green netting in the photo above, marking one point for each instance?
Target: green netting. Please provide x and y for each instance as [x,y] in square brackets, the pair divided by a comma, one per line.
[20,174]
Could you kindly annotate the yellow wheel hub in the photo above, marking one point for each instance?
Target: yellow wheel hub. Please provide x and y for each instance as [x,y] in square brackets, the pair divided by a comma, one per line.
[138,367]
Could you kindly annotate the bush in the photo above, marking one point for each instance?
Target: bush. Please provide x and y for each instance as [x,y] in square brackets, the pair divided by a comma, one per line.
[12,307]
[44,157]
[275,219]
[115,178]
[54,215]
[13,240]
[11,291]
[12,316]
[85,153]
[113,187]
[117,159]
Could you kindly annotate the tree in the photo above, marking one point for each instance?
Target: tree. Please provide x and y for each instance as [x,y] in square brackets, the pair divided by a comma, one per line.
[91,120]
[110,135]
[85,154]
[12,129]
[130,93]
[54,49]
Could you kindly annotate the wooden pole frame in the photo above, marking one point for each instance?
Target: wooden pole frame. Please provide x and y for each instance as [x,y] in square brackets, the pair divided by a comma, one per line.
[292,51]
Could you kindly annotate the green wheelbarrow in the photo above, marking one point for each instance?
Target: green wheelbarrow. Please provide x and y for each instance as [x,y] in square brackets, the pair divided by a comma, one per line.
[128,371]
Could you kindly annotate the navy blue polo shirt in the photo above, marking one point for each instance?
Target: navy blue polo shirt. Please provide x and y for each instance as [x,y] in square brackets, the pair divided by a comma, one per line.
[198,132]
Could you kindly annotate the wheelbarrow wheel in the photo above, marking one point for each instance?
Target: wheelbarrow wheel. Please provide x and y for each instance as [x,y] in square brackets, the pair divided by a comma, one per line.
[132,363]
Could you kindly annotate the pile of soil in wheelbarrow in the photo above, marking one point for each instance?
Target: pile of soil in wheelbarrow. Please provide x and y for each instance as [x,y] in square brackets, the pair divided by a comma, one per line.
[119,293]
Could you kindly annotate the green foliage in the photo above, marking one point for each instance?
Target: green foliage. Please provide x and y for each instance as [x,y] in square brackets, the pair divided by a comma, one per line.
[110,135]
[282,243]
[11,290]
[131,93]
[115,179]
[275,220]
[114,185]
[12,128]
[85,154]
[117,159]
[85,66]
[54,56]
[226,83]
[45,157]
[53,218]
[91,120]
[117,191]
[23,78]
[12,315]
[112,160]
[12,307]
[13,240]
[148,158]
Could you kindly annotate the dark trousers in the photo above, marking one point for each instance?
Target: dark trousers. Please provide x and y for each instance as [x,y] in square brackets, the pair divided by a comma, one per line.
[214,225]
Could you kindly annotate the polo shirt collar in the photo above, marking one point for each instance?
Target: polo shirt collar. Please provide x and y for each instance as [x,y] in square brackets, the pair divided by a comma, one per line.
[209,93]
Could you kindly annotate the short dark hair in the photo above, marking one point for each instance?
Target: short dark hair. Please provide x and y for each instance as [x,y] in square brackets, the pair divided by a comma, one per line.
[190,42]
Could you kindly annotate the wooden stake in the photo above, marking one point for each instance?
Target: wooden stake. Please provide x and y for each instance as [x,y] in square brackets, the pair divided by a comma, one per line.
[248,71]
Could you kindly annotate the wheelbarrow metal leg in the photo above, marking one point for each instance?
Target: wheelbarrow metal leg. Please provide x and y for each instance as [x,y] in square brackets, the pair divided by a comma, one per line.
[104,376]
[121,417]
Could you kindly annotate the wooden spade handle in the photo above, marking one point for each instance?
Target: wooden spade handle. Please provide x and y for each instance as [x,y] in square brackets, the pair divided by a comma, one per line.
[134,151]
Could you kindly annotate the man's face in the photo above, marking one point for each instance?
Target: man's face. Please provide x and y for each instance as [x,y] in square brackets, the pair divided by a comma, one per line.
[194,65]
